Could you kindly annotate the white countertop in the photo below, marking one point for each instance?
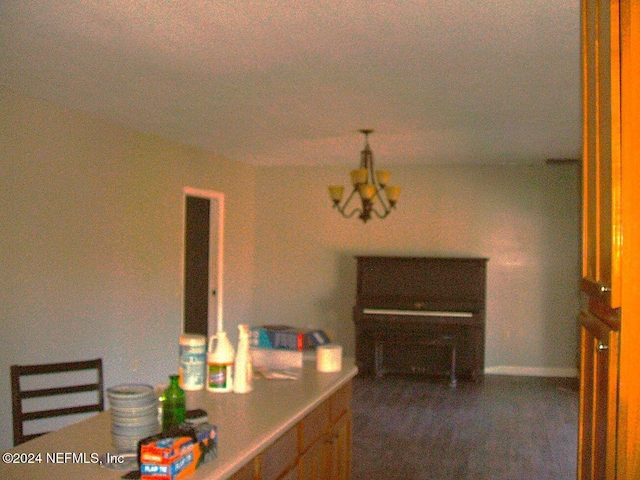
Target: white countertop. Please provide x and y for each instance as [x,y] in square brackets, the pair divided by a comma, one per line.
[247,424]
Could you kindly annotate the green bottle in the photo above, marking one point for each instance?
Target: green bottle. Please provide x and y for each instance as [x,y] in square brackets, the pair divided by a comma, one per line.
[173,405]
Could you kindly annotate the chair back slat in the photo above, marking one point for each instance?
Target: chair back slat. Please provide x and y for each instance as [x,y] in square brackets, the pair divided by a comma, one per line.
[48,392]
[57,412]
[18,393]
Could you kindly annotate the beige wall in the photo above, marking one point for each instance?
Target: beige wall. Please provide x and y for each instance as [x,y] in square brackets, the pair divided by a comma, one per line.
[525,219]
[91,230]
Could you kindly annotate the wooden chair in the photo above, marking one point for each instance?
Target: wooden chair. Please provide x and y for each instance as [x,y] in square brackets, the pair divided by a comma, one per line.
[50,373]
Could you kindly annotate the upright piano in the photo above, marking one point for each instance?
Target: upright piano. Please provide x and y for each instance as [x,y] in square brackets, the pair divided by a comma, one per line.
[423,315]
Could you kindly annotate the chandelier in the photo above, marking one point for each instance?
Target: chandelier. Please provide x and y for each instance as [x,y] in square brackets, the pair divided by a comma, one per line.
[369,185]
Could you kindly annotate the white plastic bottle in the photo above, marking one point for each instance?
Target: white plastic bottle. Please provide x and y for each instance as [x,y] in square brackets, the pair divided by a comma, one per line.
[193,361]
[243,368]
[220,364]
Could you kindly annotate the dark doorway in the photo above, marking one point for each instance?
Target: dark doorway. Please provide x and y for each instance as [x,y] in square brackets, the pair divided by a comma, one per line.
[196,265]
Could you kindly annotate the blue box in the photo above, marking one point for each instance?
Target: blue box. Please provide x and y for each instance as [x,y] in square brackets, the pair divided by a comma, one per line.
[286,337]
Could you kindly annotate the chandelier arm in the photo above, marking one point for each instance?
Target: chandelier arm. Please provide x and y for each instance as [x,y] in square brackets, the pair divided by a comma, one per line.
[385,203]
[381,215]
[374,180]
[346,202]
[349,215]
[342,209]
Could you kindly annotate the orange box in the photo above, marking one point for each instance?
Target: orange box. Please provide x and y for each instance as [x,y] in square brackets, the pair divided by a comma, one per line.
[177,457]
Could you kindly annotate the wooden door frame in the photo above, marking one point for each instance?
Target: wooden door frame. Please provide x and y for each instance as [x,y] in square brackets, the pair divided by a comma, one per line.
[629,393]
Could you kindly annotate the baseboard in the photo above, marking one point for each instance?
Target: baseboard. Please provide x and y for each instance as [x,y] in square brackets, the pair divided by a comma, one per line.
[532,371]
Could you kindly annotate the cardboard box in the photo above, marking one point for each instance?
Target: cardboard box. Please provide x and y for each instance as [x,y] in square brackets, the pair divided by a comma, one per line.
[176,454]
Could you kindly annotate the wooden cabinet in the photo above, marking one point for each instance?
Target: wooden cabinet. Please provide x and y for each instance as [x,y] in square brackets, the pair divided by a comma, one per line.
[328,456]
[339,445]
[314,435]
[317,448]
[601,152]
[248,472]
[341,435]
[313,463]
[609,429]
[280,457]
[598,397]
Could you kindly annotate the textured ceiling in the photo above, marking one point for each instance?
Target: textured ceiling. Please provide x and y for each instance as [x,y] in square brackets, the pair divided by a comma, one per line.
[292,82]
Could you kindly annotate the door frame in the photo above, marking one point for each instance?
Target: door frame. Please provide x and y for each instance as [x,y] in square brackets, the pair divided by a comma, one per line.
[219,198]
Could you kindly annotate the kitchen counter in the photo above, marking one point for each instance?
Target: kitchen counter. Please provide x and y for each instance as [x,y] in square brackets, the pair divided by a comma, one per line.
[247,425]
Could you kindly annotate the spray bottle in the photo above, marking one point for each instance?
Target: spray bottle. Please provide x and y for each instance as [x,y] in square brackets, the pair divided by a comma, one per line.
[244,370]
[220,364]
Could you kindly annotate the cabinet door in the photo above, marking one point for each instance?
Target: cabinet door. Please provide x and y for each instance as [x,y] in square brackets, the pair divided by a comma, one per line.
[314,425]
[280,457]
[248,472]
[598,400]
[313,464]
[293,474]
[340,448]
[602,234]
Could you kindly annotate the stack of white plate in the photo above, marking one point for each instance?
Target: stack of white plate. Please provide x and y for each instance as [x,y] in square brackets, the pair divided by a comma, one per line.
[134,415]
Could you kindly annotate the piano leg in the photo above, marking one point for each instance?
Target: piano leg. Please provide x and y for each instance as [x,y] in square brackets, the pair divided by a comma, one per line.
[454,381]
[378,358]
